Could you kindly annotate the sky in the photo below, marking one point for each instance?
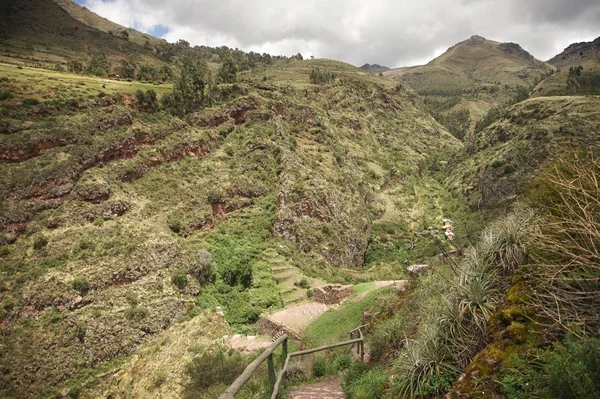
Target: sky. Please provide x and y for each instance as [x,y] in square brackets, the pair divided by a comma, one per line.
[388,32]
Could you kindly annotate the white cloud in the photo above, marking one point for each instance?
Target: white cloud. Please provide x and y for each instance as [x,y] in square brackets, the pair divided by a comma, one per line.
[387,32]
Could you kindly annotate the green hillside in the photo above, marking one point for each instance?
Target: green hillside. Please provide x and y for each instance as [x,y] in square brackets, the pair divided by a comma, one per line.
[87,17]
[460,86]
[40,31]
[146,220]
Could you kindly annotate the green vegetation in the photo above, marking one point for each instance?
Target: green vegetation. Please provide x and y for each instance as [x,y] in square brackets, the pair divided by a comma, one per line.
[319,77]
[132,208]
[566,369]
[333,326]
[580,81]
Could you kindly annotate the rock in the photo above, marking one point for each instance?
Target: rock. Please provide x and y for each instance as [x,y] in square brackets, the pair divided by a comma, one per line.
[416,269]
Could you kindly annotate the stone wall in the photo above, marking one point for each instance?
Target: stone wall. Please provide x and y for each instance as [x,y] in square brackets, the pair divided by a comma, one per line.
[268,326]
[331,293]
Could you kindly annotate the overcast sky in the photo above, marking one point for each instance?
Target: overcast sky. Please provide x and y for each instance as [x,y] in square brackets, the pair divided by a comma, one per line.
[389,32]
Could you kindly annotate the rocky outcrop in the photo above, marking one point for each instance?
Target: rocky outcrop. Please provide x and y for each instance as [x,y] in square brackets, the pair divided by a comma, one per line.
[331,293]
[268,326]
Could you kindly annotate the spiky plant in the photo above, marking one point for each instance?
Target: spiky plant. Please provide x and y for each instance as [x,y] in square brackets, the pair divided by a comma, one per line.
[504,244]
[425,367]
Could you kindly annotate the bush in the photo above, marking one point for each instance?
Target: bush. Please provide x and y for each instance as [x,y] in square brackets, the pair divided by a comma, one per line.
[4,251]
[221,367]
[39,241]
[179,279]
[203,267]
[148,100]
[136,313]
[366,384]
[5,95]
[319,366]
[303,283]
[81,285]
[566,370]
[565,250]
[30,101]
[318,77]
[174,226]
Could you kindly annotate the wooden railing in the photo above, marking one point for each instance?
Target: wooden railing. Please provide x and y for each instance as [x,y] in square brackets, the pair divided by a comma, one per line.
[356,340]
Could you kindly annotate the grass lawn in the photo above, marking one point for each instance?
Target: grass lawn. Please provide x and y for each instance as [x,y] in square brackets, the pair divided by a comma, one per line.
[333,325]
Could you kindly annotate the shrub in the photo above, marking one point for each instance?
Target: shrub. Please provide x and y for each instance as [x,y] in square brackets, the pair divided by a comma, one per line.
[160,378]
[566,370]
[318,77]
[81,285]
[367,385]
[221,367]
[136,313]
[565,249]
[30,101]
[174,226]
[319,366]
[39,241]
[179,279]
[148,100]
[237,274]
[4,251]
[203,267]
[303,283]
[5,95]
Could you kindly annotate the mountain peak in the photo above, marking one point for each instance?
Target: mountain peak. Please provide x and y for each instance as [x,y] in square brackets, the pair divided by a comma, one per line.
[477,39]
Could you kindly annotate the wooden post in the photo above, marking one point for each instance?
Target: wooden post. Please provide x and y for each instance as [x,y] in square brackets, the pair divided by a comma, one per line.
[362,351]
[272,377]
[284,351]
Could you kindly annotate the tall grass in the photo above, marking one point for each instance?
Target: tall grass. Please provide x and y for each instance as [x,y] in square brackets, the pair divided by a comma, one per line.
[566,252]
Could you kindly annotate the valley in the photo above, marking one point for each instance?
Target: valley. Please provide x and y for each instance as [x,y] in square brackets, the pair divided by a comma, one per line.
[159,230]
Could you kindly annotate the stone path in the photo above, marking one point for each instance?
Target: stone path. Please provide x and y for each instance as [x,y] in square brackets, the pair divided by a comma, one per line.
[330,389]
[299,316]
[246,343]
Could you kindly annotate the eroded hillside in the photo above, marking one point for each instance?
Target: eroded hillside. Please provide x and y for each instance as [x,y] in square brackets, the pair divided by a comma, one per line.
[105,204]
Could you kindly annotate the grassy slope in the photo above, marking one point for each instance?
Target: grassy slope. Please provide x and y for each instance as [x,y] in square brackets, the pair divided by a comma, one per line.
[41,31]
[586,54]
[334,325]
[302,159]
[479,73]
[501,160]
[87,17]
[46,85]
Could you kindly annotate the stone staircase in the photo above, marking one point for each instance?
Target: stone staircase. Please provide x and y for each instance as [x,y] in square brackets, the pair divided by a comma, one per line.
[285,275]
[329,389]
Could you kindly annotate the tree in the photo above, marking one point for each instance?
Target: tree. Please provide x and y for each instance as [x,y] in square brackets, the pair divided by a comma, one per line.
[75,66]
[188,93]
[228,71]
[126,68]
[98,65]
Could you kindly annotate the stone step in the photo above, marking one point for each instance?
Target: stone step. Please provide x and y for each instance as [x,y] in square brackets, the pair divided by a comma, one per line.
[329,389]
[277,262]
[279,270]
